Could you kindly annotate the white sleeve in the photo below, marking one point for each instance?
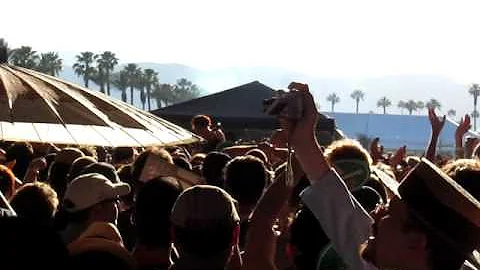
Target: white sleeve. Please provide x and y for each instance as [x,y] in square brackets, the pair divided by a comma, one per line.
[342,218]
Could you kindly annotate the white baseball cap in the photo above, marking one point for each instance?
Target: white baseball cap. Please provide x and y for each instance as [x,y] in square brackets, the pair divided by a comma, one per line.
[89,189]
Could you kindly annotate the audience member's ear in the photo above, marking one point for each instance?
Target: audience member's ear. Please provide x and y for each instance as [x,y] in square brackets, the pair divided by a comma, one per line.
[11,164]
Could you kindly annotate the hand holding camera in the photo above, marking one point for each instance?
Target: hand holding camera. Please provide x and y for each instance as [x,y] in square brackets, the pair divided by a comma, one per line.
[295,110]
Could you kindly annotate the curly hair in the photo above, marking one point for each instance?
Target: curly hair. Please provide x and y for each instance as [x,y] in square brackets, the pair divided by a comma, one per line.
[347,149]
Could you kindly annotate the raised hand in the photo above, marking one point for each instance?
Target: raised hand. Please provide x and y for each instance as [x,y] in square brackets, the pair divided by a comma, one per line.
[461,130]
[376,152]
[436,122]
[399,155]
[463,127]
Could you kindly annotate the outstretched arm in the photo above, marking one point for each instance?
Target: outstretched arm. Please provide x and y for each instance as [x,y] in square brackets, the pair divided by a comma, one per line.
[461,130]
[437,126]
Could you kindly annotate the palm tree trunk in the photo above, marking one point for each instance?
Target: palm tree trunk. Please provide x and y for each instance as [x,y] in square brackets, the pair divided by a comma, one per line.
[357,106]
[107,74]
[333,105]
[85,81]
[131,95]
[384,110]
[148,97]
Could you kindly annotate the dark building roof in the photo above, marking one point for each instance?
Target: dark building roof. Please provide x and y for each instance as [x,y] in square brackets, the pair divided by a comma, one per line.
[241,105]
[395,130]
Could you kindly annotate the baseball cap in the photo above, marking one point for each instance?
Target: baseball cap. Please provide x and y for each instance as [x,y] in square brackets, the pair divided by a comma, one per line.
[89,189]
[204,207]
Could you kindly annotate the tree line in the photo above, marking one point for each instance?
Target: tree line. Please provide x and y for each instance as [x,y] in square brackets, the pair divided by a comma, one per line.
[100,69]
[410,105]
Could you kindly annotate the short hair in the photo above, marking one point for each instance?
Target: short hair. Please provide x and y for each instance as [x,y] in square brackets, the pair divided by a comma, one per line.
[7,181]
[201,121]
[259,154]
[22,153]
[140,161]
[246,178]
[121,154]
[308,237]
[213,166]
[35,201]
[182,162]
[466,172]
[89,151]
[347,149]
[152,212]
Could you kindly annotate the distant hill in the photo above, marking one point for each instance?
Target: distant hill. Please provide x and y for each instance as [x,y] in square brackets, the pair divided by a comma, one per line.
[395,87]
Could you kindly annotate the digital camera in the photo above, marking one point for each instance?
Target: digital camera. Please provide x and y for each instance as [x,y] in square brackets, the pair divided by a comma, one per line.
[287,104]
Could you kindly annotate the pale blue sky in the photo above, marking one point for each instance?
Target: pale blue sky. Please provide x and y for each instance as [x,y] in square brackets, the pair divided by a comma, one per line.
[338,38]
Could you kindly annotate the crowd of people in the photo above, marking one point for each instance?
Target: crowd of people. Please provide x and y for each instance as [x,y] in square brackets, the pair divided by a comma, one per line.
[285,203]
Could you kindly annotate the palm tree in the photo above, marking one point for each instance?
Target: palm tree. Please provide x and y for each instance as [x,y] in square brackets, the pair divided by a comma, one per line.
[163,94]
[150,79]
[452,113]
[333,99]
[357,95]
[4,51]
[384,102]
[474,90]
[185,90]
[411,106]
[50,63]
[120,81]
[401,104]
[133,73]
[475,114]
[433,103]
[420,105]
[24,57]
[106,63]
[83,67]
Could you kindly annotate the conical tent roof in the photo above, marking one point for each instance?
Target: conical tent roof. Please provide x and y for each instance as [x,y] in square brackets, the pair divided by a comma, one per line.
[37,107]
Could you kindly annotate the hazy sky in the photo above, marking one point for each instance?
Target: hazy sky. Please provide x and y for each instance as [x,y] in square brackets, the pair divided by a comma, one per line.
[325,38]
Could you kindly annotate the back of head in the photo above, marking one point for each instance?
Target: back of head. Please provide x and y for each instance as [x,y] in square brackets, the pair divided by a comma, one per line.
[259,154]
[182,162]
[104,169]
[37,202]
[152,212]
[78,165]
[123,155]
[466,172]
[141,160]
[204,219]
[212,168]
[347,149]
[350,160]
[22,153]
[58,172]
[27,245]
[7,181]
[307,239]
[245,179]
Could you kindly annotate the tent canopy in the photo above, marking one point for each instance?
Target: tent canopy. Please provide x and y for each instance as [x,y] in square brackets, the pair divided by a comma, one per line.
[238,107]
